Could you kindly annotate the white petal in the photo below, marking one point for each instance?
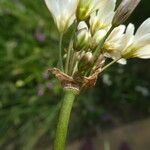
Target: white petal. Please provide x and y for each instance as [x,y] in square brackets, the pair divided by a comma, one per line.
[99,35]
[129,36]
[116,34]
[143,52]
[143,41]
[82,25]
[106,7]
[130,30]
[122,61]
[97,4]
[108,19]
[114,55]
[143,29]
[53,7]
[63,12]
[71,20]
[72,5]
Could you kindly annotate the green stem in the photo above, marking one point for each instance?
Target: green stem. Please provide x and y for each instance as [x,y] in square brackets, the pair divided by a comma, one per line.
[111,63]
[70,51]
[60,52]
[72,61]
[62,127]
[68,57]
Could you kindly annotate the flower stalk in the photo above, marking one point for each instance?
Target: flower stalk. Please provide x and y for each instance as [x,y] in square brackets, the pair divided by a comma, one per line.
[62,127]
[60,52]
[110,64]
[100,46]
[68,58]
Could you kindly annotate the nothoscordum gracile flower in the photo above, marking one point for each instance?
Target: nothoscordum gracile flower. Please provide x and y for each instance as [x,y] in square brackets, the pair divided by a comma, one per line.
[137,45]
[63,12]
[126,44]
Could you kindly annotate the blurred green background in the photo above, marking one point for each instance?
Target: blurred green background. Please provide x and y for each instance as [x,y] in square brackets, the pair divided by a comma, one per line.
[30,97]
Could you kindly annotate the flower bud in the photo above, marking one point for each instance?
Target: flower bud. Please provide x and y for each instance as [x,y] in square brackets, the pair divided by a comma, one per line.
[124,11]
[85,62]
[82,37]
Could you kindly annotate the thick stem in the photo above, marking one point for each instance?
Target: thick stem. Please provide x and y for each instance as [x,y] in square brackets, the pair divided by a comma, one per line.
[62,127]
[60,52]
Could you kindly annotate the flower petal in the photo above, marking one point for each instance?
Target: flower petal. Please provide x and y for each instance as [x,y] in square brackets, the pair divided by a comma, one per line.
[143,41]
[143,29]
[143,52]
[106,7]
[128,37]
[122,61]
[116,34]
[53,7]
[82,25]
[63,12]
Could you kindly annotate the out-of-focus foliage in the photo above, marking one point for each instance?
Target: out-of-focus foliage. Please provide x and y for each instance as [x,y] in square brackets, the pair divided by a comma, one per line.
[29,97]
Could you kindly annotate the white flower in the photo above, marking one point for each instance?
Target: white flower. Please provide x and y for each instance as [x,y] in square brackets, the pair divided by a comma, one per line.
[113,45]
[137,45]
[86,7]
[125,44]
[63,12]
[102,19]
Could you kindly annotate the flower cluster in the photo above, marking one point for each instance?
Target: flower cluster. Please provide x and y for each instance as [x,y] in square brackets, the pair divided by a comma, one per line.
[98,34]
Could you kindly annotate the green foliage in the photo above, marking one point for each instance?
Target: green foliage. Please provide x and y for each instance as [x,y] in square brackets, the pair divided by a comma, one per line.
[28,47]
[29,97]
